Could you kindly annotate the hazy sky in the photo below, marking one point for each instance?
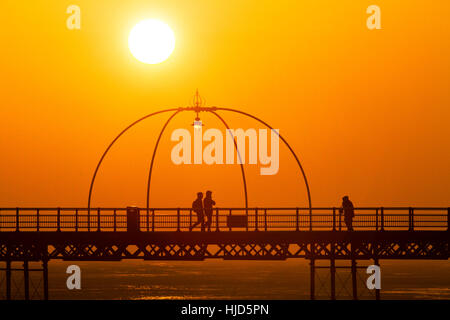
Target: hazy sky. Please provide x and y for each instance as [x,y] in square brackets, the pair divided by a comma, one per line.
[367,111]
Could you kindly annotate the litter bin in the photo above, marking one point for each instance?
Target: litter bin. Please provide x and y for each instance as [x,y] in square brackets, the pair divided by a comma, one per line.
[133,219]
[237,221]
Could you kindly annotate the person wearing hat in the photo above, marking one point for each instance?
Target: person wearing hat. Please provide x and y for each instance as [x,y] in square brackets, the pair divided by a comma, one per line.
[348,210]
[208,204]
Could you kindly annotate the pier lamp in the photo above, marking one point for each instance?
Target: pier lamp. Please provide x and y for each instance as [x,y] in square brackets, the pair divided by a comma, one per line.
[197,124]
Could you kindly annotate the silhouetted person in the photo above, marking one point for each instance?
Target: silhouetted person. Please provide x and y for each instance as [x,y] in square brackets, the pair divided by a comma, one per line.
[208,204]
[197,207]
[349,213]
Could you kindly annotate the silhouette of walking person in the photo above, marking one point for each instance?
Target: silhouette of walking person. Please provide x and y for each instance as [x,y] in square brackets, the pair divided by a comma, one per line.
[208,204]
[197,207]
[348,210]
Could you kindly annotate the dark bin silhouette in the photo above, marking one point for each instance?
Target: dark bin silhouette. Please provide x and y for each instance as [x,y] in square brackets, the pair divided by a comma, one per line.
[133,219]
[237,221]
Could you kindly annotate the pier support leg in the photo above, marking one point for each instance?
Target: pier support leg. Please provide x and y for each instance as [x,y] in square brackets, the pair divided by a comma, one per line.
[333,270]
[8,280]
[26,280]
[45,276]
[333,278]
[313,275]
[377,291]
[354,287]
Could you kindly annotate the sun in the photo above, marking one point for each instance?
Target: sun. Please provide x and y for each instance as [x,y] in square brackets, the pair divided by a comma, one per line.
[151,41]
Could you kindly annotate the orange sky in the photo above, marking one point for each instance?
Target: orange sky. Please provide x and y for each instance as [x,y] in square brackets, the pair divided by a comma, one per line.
[367,111]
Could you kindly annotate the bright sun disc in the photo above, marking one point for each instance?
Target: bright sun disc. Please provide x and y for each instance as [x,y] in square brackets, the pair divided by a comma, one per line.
[151,41]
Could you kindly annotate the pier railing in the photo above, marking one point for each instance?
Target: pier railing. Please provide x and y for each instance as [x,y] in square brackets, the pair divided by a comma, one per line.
[253,219]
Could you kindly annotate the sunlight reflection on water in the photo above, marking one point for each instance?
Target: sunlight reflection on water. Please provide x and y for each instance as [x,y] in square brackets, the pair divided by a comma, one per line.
[218,279]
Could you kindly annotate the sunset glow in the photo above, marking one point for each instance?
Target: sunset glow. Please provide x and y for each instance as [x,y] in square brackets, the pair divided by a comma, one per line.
[237,150]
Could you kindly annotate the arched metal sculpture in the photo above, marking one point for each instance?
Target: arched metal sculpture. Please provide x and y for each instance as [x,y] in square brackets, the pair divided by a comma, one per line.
[149,180]
[285,142]
[91,187]
[156,147]
[197,108]
[238,154]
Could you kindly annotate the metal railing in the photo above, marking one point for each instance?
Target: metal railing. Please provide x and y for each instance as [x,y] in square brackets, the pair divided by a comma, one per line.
[258,219]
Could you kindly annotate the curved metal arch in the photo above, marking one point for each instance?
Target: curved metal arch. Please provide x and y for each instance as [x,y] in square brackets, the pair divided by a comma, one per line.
[285,142]
[153,157]
[112,143]
[239,155]
[223,121]
[156,147]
